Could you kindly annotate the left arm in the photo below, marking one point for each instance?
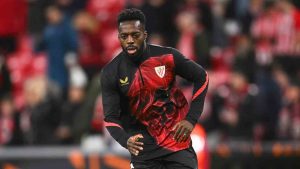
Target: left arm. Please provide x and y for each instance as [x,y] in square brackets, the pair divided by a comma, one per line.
[194,73]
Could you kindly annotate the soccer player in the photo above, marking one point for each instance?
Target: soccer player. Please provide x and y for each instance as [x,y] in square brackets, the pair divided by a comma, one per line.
[144,110]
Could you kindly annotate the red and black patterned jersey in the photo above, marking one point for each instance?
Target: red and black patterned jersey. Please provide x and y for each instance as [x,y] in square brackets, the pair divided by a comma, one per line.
[140,96]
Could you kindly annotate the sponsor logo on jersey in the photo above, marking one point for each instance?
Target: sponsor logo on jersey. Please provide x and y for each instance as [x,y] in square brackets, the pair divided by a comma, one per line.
[124,81]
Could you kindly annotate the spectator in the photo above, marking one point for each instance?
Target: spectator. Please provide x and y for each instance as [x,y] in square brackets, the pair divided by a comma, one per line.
[59,39]
[193,39]
[286,41]
[91,55]
[268,105]
[71,107]
[10,133]
[218,35]
[288,120]
[201,7]
[5,82]
[254,10]
[90,114]
[161,13]
[105,13]
[23,64]
[41,114]
[234,106]
[244,59]
[263,32]
[289,117]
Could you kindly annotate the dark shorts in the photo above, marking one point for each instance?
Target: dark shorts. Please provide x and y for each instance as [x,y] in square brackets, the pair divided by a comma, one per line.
[184,159]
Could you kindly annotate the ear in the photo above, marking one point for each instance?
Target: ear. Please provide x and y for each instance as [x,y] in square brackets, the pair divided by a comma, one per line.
[145,34]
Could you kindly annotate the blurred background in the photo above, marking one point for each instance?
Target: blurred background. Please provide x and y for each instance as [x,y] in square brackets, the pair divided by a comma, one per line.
[52,52]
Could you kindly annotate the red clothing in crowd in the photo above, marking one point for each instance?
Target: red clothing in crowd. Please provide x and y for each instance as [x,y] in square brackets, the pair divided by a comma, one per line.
[297,19]
[103,44]
[13,14]
[279,27]
[23,64]
[106,11]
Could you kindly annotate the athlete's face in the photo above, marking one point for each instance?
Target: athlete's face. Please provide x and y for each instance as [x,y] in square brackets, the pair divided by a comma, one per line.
[132,36]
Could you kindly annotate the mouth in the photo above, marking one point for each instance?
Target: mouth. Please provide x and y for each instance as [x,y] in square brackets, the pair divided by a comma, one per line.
[131,50]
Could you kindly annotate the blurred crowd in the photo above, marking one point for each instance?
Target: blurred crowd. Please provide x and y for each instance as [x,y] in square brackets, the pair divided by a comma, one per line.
[52,52]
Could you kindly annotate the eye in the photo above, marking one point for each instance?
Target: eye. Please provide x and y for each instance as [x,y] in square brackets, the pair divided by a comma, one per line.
[123,36]
[136,35]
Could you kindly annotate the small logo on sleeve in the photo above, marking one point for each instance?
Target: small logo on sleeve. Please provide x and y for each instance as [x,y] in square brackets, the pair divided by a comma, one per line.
[160,71]
[124,81]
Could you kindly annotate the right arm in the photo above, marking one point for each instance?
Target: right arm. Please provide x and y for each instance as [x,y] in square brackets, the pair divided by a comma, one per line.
[111,107]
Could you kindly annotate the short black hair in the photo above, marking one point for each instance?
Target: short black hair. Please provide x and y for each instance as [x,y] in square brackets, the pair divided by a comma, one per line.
[132,14]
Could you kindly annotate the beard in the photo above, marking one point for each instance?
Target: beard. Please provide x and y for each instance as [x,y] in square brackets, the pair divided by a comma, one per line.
[136,55]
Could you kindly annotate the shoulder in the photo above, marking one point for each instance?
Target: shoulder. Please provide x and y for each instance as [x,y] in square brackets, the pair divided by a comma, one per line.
[157,50]
[110,69]
[174,51]
[113,64]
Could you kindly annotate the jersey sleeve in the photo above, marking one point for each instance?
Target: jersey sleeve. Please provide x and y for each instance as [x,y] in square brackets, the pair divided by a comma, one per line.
[111,107]
[194,73]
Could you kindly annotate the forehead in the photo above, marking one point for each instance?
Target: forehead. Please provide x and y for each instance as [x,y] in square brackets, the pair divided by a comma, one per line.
[130,26]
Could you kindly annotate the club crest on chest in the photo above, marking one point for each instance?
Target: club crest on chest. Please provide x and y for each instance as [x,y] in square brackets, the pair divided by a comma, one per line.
[160,71]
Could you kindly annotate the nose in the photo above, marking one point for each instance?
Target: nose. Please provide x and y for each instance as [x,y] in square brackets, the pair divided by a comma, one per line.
[130,39]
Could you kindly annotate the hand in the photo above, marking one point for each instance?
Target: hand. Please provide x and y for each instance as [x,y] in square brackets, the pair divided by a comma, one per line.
[133,144]
[182,131]
[63,132]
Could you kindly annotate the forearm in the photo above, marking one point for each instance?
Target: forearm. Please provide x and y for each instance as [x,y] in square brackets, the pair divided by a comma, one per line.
[197,104]
[117,132]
